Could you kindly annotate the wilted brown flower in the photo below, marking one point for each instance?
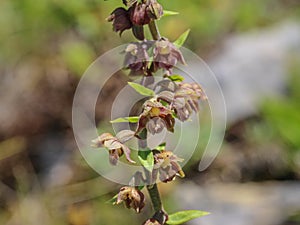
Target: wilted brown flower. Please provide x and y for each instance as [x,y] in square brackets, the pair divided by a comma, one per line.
[121,20]
[115,145]
[136,58]
[155,117]
[166,165]
[132,197]
[166,55]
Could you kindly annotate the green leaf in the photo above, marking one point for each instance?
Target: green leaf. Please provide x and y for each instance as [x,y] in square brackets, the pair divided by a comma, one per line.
[161,147]
[176,77]
[131,119]
[141,89]
[184,216]
[146,158]
[180,41]
[170,13]
[140,187]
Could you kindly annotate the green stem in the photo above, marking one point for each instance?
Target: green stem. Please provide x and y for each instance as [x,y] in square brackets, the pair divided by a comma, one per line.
[155,197]
[154,30]
[152,188]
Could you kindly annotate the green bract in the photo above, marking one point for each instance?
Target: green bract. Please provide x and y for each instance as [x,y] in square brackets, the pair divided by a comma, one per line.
[141,89]
[182,38]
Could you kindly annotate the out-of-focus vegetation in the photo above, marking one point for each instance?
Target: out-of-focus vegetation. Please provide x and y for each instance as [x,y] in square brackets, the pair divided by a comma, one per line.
[281,119]
[45,46]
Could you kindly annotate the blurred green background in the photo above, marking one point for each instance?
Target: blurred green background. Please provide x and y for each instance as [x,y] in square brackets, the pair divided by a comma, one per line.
[46,45]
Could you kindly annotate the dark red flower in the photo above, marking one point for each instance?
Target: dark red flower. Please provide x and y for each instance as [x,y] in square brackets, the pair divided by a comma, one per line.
[120,19]
[138,14]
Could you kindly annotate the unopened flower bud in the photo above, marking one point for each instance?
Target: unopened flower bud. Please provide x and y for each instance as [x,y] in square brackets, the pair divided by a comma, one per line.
[138,14]
[154,10]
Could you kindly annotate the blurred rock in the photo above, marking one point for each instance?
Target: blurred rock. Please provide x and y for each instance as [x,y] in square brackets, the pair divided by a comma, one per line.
[252,66]
[241,204]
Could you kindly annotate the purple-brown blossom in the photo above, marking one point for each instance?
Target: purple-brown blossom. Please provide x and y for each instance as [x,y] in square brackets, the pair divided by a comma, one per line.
[136,58]
[155,117]
[115,145]
[166,166]
[132,198]
[166,55]
[137,15]
[184,100]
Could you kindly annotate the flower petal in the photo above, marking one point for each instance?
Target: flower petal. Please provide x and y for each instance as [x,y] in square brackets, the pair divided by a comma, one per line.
[112,144]
[125,135]
[127,152]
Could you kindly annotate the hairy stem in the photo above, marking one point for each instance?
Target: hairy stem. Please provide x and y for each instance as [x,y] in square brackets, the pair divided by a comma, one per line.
[154,30]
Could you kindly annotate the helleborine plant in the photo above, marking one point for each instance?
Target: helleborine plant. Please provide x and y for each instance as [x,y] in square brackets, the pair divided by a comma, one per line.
[168,100]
